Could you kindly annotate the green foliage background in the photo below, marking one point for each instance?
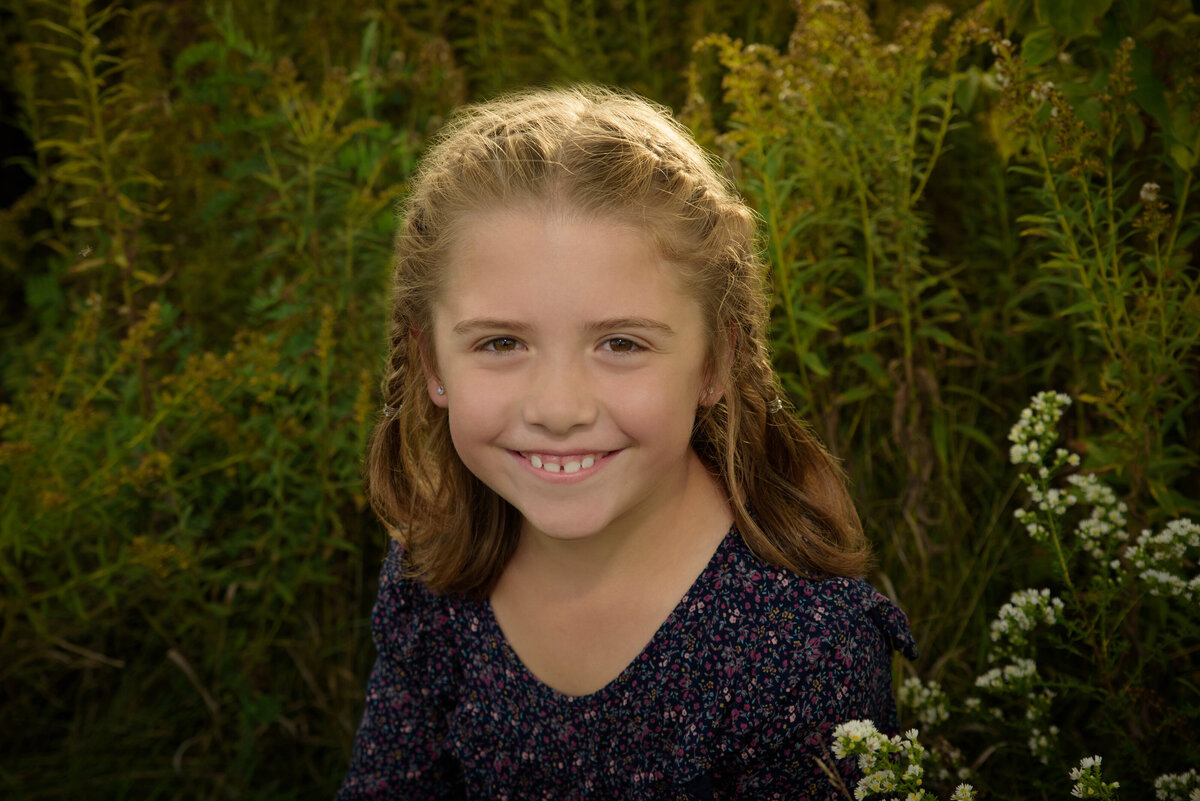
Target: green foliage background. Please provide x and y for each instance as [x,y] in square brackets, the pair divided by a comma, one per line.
[193,312]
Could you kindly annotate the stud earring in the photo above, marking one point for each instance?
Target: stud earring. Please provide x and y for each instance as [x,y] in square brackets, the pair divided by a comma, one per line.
[441,390]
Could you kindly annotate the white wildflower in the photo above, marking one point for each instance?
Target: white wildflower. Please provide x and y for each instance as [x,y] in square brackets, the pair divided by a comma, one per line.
[1177,786]
[1014,675]
[851,733]
[1041,91]
[1159,559]
[1088,781]
[929,701]
[963,792]
[1024,610]
[1039,745]
[1037,427]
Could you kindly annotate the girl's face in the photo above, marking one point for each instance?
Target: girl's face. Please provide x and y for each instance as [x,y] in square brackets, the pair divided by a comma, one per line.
[573,363]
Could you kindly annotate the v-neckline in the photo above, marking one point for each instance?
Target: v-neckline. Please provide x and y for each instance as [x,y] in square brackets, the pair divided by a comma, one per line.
[661,633]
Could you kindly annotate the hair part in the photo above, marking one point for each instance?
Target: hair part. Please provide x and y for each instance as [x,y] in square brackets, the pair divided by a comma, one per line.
[616,157]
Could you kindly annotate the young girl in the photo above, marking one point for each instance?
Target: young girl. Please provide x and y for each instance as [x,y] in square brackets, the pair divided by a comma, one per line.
[619,570]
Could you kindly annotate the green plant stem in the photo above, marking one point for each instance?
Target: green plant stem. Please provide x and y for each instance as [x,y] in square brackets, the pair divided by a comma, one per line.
[1099,651]
[1181,200]
[775,242]
[868,239]
[1068,238]
[1056,541]
[1059,210]
[109,191]
[1114,302]
[938,142]
[1114,258]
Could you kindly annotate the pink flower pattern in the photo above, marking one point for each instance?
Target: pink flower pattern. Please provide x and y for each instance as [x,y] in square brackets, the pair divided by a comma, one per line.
[735,696]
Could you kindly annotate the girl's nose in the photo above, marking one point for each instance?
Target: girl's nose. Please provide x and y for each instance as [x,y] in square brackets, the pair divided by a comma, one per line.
[560,398]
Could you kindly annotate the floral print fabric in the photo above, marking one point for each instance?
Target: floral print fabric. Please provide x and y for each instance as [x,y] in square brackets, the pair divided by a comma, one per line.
[735,696]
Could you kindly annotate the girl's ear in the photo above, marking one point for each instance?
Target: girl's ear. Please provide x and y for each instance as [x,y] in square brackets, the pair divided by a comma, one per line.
[433,384]
[713,388]
[437,393]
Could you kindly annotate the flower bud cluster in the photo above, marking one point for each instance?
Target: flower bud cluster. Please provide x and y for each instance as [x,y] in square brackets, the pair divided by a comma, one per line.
[1041,91]
[1037,429]
[876,783]
[1054,501]
[1178,786]
[1041,743]
[1036,530]
[929,701]
[1153,217]
[963,792]
[890,765]
[1104,529]
[1024,610]
[857,737]
[1158,559]
[1017,676]
[1043,735]
[1088,782]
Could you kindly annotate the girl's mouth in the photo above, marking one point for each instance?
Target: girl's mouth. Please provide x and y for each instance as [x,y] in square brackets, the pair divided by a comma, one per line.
[555,463]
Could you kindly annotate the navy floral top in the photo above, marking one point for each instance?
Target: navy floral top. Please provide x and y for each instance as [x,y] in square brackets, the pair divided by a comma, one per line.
[735,696]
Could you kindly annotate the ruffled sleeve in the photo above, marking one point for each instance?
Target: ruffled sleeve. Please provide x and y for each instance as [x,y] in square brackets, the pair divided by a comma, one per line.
[401,750]
[828,663]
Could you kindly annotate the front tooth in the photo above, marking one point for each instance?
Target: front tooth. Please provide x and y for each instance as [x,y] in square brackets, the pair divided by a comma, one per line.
[535,460]
[571,467]
[587,462]
[551,467]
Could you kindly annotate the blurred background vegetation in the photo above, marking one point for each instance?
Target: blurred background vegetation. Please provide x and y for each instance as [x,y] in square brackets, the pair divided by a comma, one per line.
[962,206]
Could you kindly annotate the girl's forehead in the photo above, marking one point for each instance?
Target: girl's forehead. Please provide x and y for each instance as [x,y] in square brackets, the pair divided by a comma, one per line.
[543,217]
[526,259]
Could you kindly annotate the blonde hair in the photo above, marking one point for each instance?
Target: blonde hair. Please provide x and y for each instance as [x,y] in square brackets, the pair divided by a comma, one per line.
[618,157]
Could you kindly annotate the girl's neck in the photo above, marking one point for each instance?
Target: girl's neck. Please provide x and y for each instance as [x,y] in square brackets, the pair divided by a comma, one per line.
[578,612]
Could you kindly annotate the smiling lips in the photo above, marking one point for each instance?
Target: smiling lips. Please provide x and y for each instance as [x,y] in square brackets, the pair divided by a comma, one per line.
[554,463]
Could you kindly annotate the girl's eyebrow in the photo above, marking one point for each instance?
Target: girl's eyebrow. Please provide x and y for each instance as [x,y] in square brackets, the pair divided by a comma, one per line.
[643,323]
[477,324]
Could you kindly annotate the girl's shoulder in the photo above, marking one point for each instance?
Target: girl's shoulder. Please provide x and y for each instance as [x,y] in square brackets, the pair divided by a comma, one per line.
[777,602]
[788,658]
[406,612]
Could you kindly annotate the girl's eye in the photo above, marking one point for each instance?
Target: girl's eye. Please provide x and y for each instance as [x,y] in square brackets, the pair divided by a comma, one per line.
[622,345]
[501,345]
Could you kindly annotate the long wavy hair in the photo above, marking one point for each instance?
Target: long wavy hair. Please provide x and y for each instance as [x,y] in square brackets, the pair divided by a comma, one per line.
[617,157]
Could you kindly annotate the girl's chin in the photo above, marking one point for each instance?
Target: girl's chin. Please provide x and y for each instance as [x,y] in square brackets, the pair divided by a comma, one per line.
[562,530]
[560,533]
